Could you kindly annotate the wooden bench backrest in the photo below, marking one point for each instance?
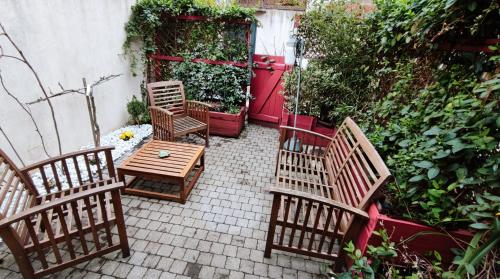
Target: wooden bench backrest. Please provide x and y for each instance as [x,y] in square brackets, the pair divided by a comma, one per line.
[168,95]
[16,193]
[355,169]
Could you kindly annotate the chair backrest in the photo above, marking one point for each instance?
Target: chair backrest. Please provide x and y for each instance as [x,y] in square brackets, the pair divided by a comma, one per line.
[168,95]
[356,170]
[16,192]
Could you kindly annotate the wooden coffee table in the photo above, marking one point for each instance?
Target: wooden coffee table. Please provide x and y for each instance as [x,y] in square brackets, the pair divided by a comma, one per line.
[180,167]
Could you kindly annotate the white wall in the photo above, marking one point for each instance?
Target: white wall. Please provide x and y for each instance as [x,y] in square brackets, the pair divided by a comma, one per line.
[273,31]
[64,40]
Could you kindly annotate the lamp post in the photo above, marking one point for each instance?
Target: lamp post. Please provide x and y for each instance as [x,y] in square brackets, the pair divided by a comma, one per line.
[294,51]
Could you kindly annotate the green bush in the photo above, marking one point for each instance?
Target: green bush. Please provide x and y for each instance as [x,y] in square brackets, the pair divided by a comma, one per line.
[419,25]
[338,78]
[220,84]
[441,144]
[138,111]
[212,39]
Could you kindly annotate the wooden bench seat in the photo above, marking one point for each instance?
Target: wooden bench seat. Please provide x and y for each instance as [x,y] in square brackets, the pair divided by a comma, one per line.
[323,186]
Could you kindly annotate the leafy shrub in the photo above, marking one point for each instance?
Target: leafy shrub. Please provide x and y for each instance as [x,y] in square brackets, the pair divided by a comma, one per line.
[412,24]
[207,39]
[338,78]
[138,111]
[441,144]
[222,84]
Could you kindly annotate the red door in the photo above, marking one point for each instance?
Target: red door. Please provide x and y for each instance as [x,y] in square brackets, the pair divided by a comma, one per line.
[267,102]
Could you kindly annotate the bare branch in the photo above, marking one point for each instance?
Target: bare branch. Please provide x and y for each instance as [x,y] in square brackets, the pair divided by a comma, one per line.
[80,91]
[37,130]
[12,146]
[42,88]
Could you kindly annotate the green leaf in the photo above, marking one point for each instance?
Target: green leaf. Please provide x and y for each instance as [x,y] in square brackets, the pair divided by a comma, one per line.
[404,143]
[417,178]
[423,164]
[480,226]
[441,154]
[436,193]
[435,130]
[432,172]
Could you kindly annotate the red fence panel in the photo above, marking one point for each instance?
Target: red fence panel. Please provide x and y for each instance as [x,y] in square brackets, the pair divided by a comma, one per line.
[267,102]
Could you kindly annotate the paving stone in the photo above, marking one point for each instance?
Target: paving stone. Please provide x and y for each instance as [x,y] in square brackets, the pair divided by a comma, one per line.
[178,266]
[137,272]
[218,261]
[207,272]
[122,270]
[260,269]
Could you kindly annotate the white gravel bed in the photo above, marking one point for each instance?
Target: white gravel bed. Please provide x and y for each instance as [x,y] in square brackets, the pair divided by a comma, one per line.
[112,139]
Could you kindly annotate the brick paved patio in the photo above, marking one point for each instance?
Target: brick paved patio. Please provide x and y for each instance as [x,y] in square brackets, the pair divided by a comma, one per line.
[219,233]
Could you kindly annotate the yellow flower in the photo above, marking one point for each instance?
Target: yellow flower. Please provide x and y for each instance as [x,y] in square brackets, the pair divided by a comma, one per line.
[126,135]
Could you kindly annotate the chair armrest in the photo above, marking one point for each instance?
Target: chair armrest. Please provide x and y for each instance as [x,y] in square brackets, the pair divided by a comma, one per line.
[318,199]
[299,130]
[162,121]
[59,202]
[199,103]
[198,110]
[161,110]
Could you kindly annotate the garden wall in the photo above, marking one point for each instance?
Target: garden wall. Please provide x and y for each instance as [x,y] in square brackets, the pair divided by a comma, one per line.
[273,31]
[64,41]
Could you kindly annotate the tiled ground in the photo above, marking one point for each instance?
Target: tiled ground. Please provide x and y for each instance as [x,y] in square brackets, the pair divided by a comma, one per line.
[219,233]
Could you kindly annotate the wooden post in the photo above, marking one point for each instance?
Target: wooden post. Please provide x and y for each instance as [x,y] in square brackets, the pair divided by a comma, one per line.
[272,225]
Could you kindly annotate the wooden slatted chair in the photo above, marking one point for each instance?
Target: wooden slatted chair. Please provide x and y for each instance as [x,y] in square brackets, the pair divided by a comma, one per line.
[323,187]
[60,223]
[172,115]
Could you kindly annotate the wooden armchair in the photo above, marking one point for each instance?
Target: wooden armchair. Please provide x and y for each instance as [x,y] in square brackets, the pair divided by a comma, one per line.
[63,221]
[172,115]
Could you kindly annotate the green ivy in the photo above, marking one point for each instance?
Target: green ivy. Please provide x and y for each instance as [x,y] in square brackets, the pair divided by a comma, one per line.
[442,145]
[150,20]
[223,85]
[418,25]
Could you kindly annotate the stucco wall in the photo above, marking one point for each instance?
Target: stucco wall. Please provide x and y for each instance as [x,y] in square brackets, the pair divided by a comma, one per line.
[273,31]
[64,40]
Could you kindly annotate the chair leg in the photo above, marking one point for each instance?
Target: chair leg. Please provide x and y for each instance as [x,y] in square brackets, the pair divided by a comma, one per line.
[207,144]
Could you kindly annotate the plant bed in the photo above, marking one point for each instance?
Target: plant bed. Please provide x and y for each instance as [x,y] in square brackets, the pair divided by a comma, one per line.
[309,123]
[418,238]
[227,124]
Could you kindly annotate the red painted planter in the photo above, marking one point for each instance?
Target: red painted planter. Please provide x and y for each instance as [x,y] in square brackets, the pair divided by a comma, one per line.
[226,124]
[309,123]
[400,229]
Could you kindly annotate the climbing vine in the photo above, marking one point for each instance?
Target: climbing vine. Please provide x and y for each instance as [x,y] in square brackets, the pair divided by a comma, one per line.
[156,25]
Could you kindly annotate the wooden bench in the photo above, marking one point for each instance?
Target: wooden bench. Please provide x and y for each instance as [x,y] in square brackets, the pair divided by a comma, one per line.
[323,187]
[68,219]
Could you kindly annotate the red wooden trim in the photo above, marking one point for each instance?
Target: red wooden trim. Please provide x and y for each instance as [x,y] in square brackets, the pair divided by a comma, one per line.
[263,117]
[205,18]
[203,60]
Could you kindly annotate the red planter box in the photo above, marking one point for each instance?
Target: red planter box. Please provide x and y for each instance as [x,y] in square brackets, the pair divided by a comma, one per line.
[226,124]
[309,123]
[400,229]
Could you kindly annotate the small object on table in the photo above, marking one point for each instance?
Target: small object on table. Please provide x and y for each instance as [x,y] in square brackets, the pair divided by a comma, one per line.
[163,153]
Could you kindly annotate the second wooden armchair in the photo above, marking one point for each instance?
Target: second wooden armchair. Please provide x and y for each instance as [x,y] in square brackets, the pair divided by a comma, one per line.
[71,217]
[172,115]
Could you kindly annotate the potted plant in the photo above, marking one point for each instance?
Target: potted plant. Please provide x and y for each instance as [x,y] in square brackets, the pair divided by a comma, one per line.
[223,86]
